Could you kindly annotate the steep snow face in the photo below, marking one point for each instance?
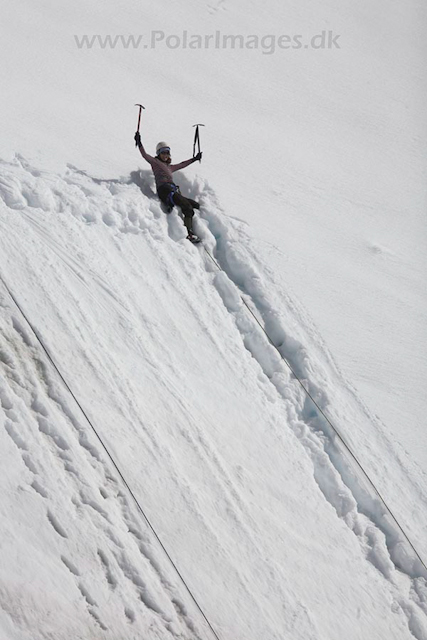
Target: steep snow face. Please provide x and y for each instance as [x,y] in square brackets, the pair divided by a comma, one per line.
[274,530]
[317,156]
[321,150]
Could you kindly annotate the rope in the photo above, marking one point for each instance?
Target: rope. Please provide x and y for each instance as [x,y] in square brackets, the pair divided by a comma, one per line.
[306,391]
[328,420]
[114,463]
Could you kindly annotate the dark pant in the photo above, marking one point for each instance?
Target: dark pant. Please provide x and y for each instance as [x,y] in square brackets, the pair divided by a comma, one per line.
[187,205]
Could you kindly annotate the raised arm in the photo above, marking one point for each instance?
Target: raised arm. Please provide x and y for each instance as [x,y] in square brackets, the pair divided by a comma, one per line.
[185,163]
[140,146]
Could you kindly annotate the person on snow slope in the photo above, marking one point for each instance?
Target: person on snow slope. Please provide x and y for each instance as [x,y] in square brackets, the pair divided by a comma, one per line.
[167,190]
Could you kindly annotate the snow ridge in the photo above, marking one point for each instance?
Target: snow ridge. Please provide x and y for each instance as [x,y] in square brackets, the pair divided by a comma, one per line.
[241,287]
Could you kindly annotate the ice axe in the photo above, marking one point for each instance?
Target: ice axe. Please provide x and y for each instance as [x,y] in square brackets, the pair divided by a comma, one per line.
[197,138]
[139,117]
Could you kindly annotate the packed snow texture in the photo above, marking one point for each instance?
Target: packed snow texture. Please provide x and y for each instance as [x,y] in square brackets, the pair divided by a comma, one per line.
[163,345]
[231,434]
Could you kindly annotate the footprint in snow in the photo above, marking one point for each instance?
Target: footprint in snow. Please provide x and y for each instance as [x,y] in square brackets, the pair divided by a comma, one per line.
[90,502]
[70,566]
[130,614]
[5,401]
[38,488]
[108,219]
[52,432]
[92,603]
[106,565]
[29,463]
[15,435]
[56,525]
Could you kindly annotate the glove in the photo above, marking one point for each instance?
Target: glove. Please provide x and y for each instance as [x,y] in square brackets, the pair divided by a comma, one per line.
[137,138]
[198,157]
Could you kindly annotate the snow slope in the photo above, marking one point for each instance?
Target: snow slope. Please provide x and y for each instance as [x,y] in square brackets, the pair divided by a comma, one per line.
[329,143]
[313,208]
[237,474]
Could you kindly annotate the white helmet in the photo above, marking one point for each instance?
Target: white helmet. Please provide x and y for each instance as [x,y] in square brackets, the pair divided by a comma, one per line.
[162,146]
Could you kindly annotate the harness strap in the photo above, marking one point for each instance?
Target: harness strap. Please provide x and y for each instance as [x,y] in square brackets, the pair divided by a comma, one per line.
[172,192]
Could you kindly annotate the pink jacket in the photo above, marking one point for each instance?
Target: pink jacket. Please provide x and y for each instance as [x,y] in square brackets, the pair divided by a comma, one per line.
[162,171]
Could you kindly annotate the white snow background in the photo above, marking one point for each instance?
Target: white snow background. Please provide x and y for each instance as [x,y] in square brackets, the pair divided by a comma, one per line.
[313,196]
